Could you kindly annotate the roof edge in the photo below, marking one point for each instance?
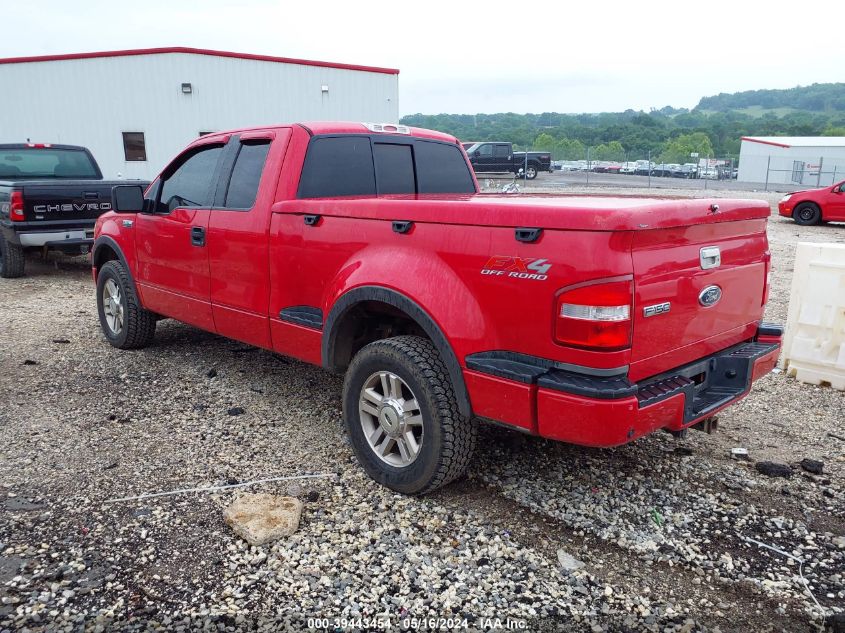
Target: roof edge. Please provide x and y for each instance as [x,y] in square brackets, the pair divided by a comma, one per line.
[752,139]
[197,51]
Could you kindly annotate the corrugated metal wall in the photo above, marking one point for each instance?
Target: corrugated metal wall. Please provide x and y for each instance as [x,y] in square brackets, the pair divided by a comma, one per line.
[92,101]
[806,166]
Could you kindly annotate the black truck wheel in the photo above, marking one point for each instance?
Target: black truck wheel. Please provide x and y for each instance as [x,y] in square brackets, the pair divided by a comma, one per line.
[124,322]
[531,172]
[402,416]
[807,213]
[11,259]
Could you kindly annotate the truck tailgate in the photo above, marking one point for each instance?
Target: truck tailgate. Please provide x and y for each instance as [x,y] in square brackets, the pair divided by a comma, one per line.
[66,200]
[687,306]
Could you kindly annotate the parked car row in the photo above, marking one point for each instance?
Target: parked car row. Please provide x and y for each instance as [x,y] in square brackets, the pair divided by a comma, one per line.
[645,168]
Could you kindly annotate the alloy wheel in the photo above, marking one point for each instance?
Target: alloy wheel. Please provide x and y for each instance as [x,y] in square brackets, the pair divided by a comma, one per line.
[391,419]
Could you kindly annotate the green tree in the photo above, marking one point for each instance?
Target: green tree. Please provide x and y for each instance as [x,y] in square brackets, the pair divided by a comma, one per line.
[608,151]
[678,149]
[830,130]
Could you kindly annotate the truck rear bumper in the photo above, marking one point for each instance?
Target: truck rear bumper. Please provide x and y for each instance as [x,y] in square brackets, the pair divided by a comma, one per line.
[57,238]
[68,235]
[609,411]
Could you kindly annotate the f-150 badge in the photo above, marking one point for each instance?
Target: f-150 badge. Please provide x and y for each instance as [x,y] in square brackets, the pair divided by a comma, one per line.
[517,267]
[658,308]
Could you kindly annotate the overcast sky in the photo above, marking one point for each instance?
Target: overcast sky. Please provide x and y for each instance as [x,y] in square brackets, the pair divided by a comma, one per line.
[550,55]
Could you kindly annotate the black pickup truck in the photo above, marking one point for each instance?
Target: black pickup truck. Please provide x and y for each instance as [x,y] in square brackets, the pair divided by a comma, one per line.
[50,197]
[499,158]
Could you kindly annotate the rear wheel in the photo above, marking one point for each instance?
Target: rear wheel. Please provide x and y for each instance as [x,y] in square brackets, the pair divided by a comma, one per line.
[807,213]
[11,259]
[402,416]
[124,322]
[531,172]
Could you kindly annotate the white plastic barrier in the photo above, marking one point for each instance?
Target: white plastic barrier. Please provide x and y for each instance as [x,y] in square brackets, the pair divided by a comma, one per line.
[814,341]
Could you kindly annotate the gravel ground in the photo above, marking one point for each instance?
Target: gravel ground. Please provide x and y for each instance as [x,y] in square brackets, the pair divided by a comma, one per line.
[663,526]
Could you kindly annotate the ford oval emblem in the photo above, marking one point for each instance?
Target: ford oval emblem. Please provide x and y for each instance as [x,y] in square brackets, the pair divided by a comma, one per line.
[710,296]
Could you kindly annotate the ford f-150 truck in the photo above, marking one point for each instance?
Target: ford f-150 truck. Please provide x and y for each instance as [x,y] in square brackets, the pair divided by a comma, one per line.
[499,158]
[50,197]
[365,248]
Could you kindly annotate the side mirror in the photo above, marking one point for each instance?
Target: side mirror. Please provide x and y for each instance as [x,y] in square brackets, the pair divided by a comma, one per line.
[476,153]
[127,198]
[837,189]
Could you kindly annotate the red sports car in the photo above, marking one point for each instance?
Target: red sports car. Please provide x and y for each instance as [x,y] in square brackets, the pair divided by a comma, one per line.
[815,205]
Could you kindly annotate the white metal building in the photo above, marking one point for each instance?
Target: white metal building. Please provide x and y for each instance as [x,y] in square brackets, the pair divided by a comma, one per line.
[136,109]
[811,161]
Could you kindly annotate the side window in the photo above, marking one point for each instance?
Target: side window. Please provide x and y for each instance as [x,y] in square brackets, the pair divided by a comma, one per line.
[501,151]
[190,184]
[486,150]
[246,174]
[441,168]
[394,168]
[338,166]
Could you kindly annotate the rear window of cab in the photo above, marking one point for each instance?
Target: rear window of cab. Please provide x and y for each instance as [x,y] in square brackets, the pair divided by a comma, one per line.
[362,165]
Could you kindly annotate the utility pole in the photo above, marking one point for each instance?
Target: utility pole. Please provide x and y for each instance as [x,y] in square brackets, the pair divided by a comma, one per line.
[768,165]
[588,166]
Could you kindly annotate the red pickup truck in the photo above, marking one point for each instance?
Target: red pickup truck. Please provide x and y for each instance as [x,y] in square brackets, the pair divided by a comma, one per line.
[367,249]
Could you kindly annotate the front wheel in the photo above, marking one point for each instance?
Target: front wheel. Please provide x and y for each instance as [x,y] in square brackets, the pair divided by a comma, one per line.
[124,322]
[402,416]
[807,214]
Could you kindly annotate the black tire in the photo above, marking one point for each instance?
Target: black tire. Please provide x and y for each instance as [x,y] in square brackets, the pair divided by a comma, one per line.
[138,326]
[11,259]
[531,172]
[448,438]
[807,214]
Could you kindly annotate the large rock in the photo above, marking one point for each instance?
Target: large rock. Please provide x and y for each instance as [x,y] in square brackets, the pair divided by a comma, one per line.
[773,469]
[260,518]
[568,562]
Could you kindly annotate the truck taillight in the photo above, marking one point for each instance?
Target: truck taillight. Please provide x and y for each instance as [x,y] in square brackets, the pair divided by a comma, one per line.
[767,258]
[595,315]
[16,207]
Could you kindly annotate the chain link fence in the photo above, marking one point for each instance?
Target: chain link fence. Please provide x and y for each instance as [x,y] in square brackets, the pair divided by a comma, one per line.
[791,172]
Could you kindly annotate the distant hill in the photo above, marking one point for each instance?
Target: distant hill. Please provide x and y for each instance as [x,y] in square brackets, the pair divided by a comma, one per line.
[813,98]
[713,128]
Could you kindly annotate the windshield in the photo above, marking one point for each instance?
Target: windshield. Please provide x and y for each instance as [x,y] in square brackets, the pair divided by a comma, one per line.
[46,162]
[471,148]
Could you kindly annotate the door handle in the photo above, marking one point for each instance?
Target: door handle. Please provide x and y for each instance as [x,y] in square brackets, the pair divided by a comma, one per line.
[198,235]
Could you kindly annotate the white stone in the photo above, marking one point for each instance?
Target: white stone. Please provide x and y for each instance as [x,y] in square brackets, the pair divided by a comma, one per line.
[260,518]
[568,562]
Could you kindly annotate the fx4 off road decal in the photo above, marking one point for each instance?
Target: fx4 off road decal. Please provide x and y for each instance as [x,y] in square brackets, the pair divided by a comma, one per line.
[517,267]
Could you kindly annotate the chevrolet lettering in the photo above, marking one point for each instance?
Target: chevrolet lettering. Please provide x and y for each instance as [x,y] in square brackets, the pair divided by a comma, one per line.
[72,206]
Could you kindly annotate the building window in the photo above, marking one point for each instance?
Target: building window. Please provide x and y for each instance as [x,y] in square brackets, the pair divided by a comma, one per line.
[134,147]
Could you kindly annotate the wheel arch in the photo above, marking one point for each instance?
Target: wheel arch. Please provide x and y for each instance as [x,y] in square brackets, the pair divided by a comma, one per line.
[335,358]
[106,249]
